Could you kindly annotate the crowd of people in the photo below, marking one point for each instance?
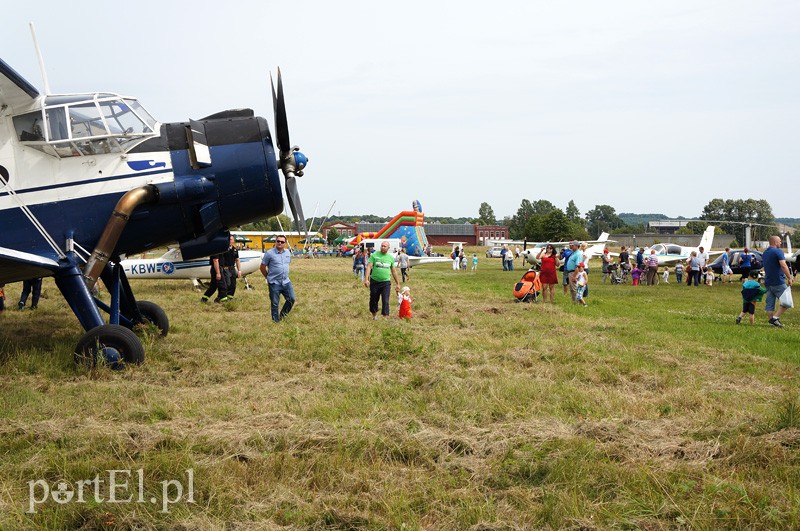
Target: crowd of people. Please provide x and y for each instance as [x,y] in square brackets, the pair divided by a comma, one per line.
[378,269]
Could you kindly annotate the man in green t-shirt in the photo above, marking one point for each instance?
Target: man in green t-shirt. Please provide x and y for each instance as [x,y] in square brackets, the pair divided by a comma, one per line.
[380,271]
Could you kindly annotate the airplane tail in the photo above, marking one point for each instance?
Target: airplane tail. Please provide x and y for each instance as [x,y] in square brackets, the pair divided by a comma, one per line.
[407,226]
[596,249]
[708,238]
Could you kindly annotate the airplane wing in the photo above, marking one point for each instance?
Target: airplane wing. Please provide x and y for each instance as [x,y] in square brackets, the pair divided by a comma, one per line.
[16,266]
[15,91]
[422,260]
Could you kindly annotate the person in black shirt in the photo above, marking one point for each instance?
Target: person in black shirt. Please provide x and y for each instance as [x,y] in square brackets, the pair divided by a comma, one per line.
[233,267]
[218,282]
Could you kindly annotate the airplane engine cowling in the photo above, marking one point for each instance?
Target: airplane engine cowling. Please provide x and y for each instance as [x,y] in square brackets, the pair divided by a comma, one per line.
[205,246]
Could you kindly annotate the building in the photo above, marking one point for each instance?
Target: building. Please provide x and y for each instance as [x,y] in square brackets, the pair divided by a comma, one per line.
[667,226]
[344,229]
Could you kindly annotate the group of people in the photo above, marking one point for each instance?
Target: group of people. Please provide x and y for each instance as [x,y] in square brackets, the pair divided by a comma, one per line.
[379,274]
[574,278]
[507,256]
[459,257]
[378,270]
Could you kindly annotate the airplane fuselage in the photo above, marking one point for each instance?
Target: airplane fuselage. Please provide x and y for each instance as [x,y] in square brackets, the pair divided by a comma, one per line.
[172,267]
[73,195]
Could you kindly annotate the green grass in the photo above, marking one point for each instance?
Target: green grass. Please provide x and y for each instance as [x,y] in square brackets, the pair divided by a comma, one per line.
[648,408]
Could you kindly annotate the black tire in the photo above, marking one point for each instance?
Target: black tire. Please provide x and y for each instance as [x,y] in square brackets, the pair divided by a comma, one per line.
[153,313]
[107,341]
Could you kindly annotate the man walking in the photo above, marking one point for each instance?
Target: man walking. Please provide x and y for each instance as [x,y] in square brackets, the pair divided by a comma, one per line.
[570,268]
[275,268]
[776,273]
[233,267]
[218,281]
[380,271]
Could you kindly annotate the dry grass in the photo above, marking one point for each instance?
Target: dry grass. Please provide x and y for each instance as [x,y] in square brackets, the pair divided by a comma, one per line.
[649,408]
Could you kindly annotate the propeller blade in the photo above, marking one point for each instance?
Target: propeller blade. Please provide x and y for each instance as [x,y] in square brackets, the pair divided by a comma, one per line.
[281,123]
[294,203]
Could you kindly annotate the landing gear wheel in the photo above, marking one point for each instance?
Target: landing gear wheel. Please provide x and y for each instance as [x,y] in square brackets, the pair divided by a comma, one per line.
[111,344]
[153,313]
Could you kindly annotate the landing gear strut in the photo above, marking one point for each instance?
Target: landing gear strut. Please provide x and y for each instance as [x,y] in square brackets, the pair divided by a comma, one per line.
[115,343]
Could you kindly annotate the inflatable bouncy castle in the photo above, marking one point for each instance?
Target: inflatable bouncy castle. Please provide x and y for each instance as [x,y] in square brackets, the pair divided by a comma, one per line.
[407,226]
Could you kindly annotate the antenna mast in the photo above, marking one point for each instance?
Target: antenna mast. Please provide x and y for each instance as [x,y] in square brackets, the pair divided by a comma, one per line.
[41,61]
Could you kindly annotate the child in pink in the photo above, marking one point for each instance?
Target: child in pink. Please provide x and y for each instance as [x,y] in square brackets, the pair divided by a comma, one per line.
[635,274]
[404,300]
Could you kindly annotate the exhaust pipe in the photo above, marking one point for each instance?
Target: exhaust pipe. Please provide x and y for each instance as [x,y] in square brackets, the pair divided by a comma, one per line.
[116,224]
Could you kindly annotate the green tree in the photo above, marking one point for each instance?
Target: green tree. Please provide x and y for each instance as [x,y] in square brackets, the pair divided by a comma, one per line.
[486,215]
[602,218]
[271,224]
[572,211]
[332,235]
[543,207]
[516,226]
[733,215]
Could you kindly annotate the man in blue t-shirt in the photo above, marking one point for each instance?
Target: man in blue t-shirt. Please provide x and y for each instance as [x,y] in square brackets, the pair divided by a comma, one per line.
[275,268]
[776,273]
[571,266]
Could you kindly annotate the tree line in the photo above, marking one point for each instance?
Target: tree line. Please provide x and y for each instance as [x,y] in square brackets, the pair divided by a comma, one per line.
[541,220]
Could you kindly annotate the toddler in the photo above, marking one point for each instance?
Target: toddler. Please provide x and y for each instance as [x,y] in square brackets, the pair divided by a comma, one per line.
[709,276]
[635,274]
[665,275]
[752,291]
[404,300]
[581,281]
[474,262]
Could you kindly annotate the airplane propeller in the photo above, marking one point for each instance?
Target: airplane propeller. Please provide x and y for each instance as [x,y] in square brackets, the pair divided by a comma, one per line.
[292,161]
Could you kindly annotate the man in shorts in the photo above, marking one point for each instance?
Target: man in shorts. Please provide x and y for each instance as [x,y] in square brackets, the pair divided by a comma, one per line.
[776,274]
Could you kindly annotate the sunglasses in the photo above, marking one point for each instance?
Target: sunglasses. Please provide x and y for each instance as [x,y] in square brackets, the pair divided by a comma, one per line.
[280,241]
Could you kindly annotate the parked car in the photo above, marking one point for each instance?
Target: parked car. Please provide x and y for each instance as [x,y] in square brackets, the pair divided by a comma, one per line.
[494,252]
[734,256]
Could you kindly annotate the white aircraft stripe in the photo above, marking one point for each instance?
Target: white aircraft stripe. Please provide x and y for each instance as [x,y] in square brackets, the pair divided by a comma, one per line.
[76,191]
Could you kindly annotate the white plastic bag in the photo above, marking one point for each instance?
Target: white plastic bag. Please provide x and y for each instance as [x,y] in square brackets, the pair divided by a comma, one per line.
[786,298]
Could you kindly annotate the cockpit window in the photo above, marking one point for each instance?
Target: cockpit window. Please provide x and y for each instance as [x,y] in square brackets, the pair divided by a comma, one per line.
[85,124]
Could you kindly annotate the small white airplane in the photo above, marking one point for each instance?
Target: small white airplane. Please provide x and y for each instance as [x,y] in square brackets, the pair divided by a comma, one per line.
[530,254]
[171,265]
[670,253]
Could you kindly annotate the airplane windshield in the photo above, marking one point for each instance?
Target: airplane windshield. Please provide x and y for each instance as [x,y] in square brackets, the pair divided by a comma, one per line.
[85,124]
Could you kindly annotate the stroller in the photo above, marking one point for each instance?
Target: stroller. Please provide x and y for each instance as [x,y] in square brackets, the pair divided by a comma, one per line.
[529,287]
[616,276]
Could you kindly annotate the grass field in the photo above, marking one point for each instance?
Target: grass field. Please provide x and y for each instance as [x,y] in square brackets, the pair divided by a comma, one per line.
[647,409]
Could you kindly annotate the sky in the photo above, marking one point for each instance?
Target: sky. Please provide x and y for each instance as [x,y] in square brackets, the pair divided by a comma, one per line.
[650,107]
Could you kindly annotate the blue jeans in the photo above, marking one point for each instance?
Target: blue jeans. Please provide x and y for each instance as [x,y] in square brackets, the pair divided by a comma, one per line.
[275,292]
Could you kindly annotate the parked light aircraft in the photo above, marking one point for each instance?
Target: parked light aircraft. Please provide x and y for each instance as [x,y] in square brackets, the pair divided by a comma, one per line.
[87,178]
[530,254]
[670,253]
[171,265]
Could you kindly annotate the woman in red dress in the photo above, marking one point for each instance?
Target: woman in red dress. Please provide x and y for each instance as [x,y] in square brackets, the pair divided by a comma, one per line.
[548,275]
